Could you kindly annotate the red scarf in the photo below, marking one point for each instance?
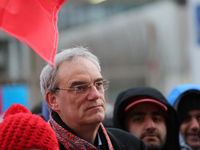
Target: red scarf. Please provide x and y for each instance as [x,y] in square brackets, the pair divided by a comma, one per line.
[73,142]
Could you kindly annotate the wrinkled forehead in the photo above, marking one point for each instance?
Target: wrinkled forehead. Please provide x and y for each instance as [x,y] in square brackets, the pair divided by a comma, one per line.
[78,68]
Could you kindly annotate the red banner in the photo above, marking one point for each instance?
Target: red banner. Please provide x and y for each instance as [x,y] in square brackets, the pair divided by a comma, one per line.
[34,22]
[1,106]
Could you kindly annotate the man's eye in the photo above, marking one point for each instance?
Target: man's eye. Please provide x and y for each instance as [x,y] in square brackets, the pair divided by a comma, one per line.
[186,119]
[79,88]
[198,117]
[137,119]
[157,119]
[98,84]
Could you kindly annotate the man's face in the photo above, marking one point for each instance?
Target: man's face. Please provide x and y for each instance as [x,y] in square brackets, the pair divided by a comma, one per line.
[79,110]
[146,121]
[189,128]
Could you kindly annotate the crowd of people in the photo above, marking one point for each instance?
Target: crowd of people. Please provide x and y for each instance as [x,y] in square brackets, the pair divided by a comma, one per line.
[73,92]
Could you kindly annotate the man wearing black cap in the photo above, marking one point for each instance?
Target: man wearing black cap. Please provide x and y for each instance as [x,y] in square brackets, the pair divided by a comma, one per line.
[144,112]
[186,100]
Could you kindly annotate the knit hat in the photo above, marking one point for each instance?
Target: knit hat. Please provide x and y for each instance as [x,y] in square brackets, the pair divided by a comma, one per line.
[189,100]
[20,130]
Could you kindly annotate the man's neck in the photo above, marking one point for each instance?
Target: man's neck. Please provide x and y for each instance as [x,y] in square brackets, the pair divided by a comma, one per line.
[86,132]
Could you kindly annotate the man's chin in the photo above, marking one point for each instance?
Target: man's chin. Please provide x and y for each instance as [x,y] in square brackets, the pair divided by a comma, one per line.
[195,145]
[153,145]
[96,118]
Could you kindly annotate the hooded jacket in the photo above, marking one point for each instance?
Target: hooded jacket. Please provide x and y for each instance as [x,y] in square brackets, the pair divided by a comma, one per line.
[174,98]
[172,142]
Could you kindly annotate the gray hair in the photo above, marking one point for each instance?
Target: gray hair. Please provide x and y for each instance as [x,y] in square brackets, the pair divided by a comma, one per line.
[49,77]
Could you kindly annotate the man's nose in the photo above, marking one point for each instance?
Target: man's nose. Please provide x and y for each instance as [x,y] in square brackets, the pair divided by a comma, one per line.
[93,93]
[194,123]
[150,124]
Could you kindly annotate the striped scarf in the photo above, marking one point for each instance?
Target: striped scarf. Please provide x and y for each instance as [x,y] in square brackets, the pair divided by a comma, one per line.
[73,142]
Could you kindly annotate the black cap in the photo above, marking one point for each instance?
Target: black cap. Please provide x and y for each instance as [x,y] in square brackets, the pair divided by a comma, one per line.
[189,100]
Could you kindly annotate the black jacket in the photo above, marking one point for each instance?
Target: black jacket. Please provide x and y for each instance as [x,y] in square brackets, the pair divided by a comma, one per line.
[172,122]
[122,140]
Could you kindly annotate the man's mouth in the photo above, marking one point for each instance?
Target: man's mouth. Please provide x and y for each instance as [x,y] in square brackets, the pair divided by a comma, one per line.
[192,136]
[94,107]
[149,136]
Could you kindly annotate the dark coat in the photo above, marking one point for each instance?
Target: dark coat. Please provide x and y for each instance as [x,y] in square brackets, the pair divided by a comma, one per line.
[172,122]
[121,140]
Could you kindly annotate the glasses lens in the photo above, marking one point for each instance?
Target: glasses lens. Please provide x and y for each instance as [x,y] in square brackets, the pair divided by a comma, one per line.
[105,85]
[102,85]
[81,89]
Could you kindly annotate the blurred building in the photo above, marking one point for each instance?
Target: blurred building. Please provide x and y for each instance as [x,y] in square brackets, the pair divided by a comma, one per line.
[139,42]
[144,45]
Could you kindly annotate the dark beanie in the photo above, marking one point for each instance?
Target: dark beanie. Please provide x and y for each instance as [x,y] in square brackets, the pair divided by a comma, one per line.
[189,100]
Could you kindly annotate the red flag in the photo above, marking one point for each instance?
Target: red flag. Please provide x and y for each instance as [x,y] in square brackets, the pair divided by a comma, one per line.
[1,107]
[34,22]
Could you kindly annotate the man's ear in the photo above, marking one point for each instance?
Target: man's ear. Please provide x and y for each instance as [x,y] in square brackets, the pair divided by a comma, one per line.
[52,100]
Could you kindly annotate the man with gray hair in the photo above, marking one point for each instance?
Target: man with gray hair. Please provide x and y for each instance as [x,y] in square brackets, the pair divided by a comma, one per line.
[74,92]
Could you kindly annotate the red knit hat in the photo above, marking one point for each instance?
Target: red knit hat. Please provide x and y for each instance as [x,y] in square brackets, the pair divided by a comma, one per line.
[20,129]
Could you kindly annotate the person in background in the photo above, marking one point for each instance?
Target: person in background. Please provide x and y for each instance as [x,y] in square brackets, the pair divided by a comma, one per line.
[145,113]
[22,130]
[45,111]
[74,92]
[41,110]
[37,109]
[185,98]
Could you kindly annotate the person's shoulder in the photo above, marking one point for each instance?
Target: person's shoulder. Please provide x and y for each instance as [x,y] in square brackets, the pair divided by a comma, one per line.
[127,139]
[121,133]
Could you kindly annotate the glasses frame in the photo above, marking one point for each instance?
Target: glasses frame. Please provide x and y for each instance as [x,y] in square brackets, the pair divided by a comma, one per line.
[89,87]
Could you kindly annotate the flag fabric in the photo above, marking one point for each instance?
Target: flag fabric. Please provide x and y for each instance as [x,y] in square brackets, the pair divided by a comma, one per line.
[33,22]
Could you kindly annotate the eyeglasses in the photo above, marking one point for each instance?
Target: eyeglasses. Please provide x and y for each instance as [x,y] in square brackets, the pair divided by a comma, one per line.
[85,88]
